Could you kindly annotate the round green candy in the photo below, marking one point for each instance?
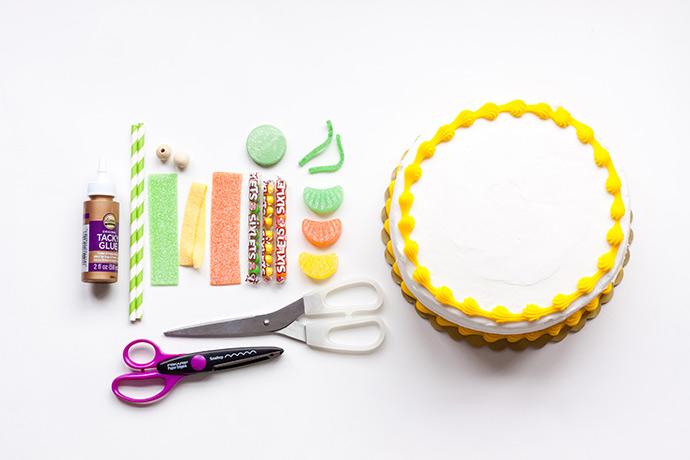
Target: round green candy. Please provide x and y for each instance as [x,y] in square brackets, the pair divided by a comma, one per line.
[266,145]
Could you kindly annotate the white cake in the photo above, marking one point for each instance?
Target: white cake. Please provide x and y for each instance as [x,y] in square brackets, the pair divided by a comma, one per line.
[510,213]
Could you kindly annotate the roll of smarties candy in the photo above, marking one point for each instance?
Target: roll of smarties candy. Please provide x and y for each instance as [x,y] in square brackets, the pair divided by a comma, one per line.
[267,230]
[281,230]
[253,252]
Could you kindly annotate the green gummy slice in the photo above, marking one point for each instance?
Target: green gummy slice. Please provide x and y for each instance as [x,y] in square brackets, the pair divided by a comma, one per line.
[323,200]
[163,240]
[266,145]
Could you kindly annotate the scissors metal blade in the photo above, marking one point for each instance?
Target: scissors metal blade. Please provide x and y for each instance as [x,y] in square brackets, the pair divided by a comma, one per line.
[242,327]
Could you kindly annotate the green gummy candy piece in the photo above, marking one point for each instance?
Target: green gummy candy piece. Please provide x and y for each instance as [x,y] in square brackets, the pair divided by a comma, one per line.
[333,167]
[266,145]
[323,200]
[318,150]
[163,241]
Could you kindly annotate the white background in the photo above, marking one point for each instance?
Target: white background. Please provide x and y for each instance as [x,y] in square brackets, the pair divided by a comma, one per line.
[201,75]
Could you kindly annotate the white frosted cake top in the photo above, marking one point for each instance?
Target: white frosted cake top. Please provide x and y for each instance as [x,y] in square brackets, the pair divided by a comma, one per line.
[509,212]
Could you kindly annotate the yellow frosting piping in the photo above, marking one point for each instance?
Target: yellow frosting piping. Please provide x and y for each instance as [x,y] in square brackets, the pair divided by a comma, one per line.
[500,314]
[554,330]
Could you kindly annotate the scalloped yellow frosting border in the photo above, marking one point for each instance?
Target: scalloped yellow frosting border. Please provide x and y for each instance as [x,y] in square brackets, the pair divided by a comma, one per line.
[532,337]
[553,331]
[490,111]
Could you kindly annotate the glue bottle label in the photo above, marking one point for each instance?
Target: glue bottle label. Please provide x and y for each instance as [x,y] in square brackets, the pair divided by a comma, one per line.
[100,243]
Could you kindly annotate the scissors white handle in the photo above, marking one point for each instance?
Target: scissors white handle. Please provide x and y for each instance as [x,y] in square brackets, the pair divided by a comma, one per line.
[318,334]
[315,303]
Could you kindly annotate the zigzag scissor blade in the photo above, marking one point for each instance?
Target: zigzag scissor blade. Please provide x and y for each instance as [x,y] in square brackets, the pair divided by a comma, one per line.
[240,327]
[239,357]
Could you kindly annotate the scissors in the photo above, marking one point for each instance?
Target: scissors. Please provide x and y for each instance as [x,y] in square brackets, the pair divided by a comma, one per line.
[173,368]
[315,333]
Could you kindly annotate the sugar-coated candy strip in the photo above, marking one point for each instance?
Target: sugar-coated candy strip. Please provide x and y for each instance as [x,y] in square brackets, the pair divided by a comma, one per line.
[253,252]
[190,224]
[200,237]
[319,149]
[163,229]
[333,167]
[281,230]
[267,217]
[225,228]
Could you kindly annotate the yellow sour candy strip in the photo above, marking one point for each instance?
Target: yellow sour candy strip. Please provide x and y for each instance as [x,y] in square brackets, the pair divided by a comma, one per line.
[200,236]
[190,222]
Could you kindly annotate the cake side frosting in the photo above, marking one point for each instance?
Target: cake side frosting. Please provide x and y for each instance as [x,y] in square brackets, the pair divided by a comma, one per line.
[599,185]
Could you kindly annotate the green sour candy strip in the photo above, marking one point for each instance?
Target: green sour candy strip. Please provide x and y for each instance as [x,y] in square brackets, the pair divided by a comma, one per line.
[331,168]
[323,200]
[163,229]
[318,150]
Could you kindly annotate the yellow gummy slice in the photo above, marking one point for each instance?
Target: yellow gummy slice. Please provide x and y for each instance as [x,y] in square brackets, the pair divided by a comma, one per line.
[193,225]
[318,267]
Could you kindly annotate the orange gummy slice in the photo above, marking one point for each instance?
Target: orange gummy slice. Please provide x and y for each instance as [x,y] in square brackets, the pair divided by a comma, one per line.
[318,267]
[322,234]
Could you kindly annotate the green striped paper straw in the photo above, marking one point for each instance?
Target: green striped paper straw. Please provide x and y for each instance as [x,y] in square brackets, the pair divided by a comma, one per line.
[136,224]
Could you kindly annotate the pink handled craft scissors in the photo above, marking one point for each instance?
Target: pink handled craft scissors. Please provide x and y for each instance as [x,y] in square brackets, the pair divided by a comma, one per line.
[170,369]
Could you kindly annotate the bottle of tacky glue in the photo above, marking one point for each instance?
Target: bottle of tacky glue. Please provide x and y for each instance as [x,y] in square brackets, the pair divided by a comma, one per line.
[99,240]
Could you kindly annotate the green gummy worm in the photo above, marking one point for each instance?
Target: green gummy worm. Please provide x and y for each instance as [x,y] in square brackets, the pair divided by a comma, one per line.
[334,167]
[318,150]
